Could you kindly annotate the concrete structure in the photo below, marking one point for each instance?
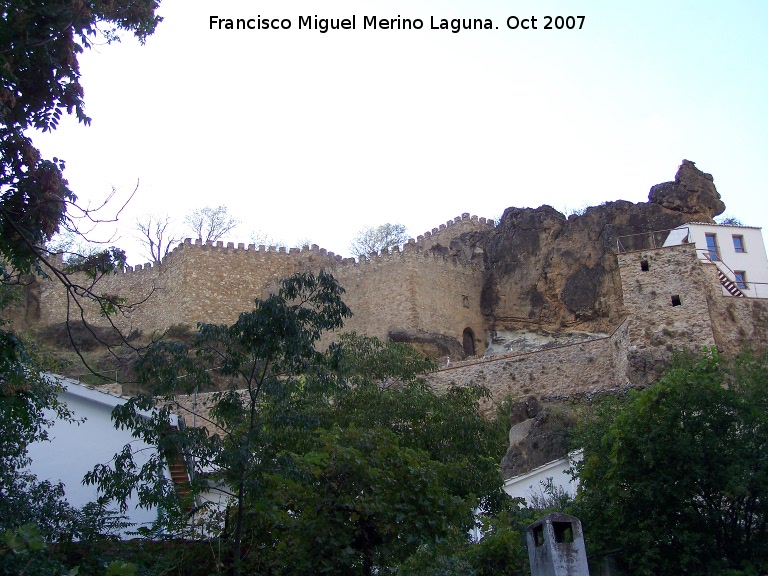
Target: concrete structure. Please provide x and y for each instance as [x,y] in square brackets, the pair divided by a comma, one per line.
[556,546]
[75,448]
[738,252]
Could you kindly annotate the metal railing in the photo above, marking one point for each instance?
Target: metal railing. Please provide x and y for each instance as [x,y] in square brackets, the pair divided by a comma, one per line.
[648,240]
[97,378]
[749,289]
[658,238]
[760,288]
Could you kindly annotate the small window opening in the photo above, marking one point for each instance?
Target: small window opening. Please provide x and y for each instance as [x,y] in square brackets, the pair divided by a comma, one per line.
[644,265]
[738,244]
[741,279]
[563,532]
[538,535]
[676,300]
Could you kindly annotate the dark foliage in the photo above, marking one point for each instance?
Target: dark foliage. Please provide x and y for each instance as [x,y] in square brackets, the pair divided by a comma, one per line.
[676,479]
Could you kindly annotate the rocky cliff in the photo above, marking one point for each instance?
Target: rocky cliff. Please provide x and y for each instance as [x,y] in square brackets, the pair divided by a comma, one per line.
[548,271]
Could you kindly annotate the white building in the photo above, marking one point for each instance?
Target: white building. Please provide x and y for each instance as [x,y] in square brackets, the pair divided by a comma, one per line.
[74,448]
[737,251]
[530,484]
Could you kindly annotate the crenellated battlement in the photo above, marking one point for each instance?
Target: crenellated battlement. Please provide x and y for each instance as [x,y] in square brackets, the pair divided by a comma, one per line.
[409,287]
[413,253]
[219,245]
[456,227]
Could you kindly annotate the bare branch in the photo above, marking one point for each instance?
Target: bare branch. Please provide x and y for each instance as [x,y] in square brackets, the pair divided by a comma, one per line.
[157,236]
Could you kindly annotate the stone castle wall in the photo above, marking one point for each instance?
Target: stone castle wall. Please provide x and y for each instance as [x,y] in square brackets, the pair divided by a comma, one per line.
[737,323]
[655,325]
[154,295]
[414,292]
[219,282]
[704,316]
[194,283]
[411,291]
[551,374]
[420,294]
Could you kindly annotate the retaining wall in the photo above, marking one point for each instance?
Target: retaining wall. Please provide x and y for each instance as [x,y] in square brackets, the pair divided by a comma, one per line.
[584,367]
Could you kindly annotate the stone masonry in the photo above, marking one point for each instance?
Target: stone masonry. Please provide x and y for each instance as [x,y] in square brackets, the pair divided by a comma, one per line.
[418,294]
[451,288]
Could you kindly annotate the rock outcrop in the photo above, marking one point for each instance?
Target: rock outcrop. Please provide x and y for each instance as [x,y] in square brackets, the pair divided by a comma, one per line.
[693,193]
[538,435]
[544,270]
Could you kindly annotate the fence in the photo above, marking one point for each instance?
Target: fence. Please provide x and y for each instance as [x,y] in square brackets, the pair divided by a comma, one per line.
[651,240]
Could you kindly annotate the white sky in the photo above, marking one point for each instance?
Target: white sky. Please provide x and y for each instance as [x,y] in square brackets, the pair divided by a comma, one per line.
[304,135]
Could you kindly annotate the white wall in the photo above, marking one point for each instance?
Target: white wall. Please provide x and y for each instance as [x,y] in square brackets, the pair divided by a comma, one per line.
[75,448]
[524,485]
[753,261]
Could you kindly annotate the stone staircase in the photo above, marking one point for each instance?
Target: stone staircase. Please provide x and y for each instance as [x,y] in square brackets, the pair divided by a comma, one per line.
[180,479]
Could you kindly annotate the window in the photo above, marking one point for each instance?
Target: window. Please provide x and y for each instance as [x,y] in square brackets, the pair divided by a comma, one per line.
[741,279]
[676,300]
[644,265]
[738,244]
[712,247]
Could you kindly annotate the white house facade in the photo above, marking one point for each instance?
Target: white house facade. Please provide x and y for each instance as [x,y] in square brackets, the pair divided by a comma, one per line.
[737,251]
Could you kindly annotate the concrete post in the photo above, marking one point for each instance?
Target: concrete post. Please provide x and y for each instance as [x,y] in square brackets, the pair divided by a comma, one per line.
[556,546]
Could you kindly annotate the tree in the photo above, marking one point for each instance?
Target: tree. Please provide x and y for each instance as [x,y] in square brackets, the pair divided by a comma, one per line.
[210,224]
[384,237]
[676,479]
[39,80]
[262,356]
[156,235]
[24,399]
[729,221]
[392,467]
[501,549]
[261,238]
[344,458]
[70,243]
[374,501]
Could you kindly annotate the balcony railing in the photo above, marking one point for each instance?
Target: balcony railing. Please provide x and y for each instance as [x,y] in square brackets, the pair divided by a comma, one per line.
[749,289]
[678,236]
[650,240]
